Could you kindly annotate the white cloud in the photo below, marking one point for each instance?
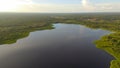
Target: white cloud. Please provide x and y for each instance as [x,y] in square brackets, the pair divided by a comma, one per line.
[88,6]
[108,7]
[51,8]
[85,6]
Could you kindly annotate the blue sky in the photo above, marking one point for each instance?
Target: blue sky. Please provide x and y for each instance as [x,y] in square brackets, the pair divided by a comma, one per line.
[74,1]
[58,1]
[60,6]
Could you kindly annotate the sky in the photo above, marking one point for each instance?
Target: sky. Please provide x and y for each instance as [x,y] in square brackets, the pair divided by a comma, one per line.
[60,6]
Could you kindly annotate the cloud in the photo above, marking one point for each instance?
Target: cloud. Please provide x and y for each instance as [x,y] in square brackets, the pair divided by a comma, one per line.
[88,6]
[51,8]
[108,7]
[85,6]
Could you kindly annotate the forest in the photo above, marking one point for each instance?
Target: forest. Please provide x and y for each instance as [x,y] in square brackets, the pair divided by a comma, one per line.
[14,26]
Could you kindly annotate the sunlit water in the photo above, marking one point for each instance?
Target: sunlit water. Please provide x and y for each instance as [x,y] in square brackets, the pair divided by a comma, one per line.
[66,46]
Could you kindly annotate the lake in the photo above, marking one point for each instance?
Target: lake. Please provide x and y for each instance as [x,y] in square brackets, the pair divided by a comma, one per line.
[66,46]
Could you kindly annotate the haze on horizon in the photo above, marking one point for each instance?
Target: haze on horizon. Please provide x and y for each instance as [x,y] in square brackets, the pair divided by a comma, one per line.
[60,6]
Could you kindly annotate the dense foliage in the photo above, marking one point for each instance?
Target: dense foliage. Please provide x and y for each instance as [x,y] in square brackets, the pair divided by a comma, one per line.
[111,44]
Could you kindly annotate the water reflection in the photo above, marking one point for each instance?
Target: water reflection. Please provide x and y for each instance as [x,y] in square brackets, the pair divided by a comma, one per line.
[66,46]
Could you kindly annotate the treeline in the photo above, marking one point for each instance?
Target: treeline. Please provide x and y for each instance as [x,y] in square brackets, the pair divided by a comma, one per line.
[18,25]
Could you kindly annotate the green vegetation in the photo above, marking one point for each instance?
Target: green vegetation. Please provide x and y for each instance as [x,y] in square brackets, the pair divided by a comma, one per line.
[111,44]
[115,64]
[14,26]
[10,36]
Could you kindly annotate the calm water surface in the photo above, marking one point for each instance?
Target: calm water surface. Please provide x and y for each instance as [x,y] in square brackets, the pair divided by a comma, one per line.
[66,46]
